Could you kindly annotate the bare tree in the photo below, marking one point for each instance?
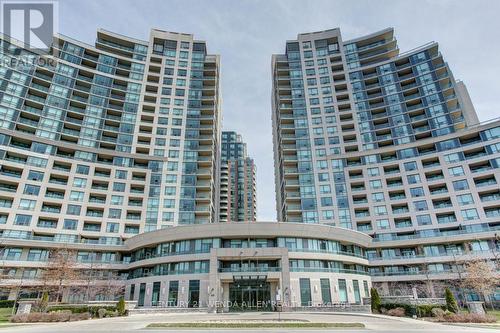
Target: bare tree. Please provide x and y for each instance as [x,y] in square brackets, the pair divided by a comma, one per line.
[105,284]
[61,270]
[440,286]
[89,275]
[481,277]
[113,286]
[407,288]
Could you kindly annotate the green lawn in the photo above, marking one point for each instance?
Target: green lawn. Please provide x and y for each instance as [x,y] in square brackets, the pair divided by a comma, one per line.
[494,313]
[255,325]
[5,314]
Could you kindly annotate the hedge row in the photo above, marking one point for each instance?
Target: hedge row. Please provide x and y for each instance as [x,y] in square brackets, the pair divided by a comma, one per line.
[40,317]
[423,310]
[93,310]
[6,303]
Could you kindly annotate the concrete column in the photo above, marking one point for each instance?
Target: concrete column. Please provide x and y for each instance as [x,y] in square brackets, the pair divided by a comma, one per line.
[127,292]
[286,290]
[203,293]
[148,294]
[163,293]
[183,293]
[316,292]
[213,284]
[225,296]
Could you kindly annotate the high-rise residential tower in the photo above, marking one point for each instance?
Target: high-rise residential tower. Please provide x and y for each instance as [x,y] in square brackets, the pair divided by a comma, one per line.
[112,140]
[113,155]
[110,169]
[386,143]
[238,202]
[125,130]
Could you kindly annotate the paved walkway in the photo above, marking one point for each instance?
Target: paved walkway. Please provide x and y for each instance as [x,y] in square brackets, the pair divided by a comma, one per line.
[137,323]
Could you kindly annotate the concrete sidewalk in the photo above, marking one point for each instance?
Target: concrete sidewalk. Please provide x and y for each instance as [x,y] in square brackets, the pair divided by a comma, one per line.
[373,323]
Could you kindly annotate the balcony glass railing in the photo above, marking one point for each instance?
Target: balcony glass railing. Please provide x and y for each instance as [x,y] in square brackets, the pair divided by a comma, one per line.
[336,252]
[169,272]
[328,270]
[446,219]
[470,229]
[54,195]
[426,255]
[167,254]
[415,272]
[249,269]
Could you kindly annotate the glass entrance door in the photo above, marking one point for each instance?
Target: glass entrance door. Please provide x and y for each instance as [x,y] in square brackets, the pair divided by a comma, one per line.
[250,296]
[142,293]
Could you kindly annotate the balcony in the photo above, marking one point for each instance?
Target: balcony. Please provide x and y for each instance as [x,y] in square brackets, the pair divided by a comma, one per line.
[490,197]
[443,205]
[327,270]
[60,167]
[358,188]
[434,177]
[430,164]
[8,188]
[55,195]
[403,224]
[49,209]
[480,169]
[94,213]
[446,219]
[364,227]
[58,181]
[492,212]
[92,227]
[11,173]
[249,269]
[470,156]
[440,190]
[361,214]
[400,210]
[485,182]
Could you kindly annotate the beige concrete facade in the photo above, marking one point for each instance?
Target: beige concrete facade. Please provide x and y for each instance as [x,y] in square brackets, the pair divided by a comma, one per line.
[235,243]
[283,279]
[115,154]
[386,143]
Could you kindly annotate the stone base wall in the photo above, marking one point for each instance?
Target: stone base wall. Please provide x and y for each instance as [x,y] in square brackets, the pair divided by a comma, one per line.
[160,310]
[411,300]
[333,308]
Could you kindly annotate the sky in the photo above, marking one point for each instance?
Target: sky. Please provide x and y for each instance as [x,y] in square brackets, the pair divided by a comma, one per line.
[247,32]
